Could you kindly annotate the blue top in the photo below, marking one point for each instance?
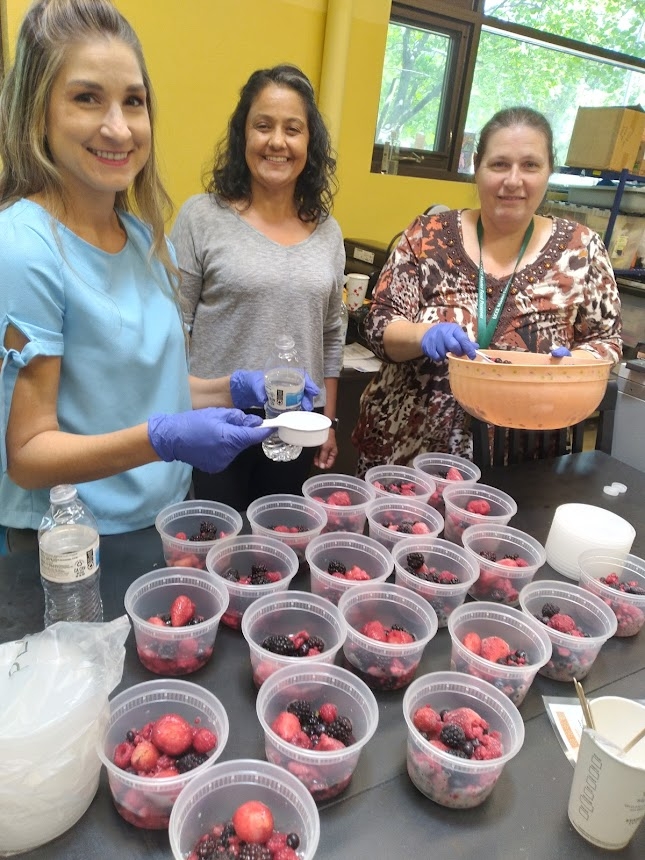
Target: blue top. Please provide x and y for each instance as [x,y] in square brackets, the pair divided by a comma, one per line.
[115,324]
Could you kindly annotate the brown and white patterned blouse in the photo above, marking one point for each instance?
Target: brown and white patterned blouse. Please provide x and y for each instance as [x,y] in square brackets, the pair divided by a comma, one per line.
[566,297]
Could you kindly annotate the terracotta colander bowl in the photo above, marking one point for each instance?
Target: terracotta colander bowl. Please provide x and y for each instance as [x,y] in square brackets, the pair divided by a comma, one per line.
[532,392]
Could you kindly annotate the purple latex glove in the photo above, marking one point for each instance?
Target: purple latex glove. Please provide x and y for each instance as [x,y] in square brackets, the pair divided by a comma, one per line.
[248,390]
[443,338]
[209,439]
[559,352]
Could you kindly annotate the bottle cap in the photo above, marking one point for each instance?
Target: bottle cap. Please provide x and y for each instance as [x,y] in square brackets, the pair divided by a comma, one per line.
[62,493]
[622,488]
[611,491]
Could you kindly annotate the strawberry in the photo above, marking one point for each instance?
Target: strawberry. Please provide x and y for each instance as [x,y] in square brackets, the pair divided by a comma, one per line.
[154,619]
[286,725]
[302,740]
[123,754]
[181,611]
[253,822]
[204,740]
[420,528]
[562,623]
[357,574]
[340,498]
[328,712]
[181,536]
[172,734]
[144,757]
[508,562]
[427,720]
[473,642]
[375,630]
[494,648]
[399,637]
[478,506]
[469,720]
[454,474]
[327,744]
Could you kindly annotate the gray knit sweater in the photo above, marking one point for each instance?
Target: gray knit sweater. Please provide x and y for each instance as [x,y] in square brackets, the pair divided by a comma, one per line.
[240,290]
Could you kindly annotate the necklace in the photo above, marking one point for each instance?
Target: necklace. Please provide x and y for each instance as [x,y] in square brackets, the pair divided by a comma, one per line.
[486,330]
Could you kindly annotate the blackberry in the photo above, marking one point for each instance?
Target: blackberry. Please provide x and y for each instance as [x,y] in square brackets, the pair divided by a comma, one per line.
[458,753]
[415,560]
[278,644]
[207,531]
[634,589]
[229,830]
[207,848]
[405,527]
[189,761]
[398,627]
[196,619]
[513,557]
[550,609]
[303,651]
[293,841]
[259,577]
[485,553]
[302,709]
[259,568]
[253,851]
[166,618]
[341,729]
[336,567]
[453,736]
[232,574]
[316,642]
[302,529]
[497,595]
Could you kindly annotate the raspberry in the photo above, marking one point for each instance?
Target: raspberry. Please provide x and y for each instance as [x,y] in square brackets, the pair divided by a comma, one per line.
[420,528]
[470,721]
[375,630]
[478,506]
[562,623]
[328,712]
[399,636]
[454,474]
[204,740]
[340,498]
[427,720]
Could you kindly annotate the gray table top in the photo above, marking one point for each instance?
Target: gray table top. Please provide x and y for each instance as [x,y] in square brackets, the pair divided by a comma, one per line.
[381,814]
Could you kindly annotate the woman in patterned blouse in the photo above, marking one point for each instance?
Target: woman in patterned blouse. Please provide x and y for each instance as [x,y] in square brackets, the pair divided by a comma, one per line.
[561,295]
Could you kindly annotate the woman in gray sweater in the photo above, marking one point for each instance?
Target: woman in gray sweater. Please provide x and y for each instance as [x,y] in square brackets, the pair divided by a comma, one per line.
[260,255]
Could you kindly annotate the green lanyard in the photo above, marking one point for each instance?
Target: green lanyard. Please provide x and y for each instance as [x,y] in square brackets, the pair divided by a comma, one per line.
[486,330]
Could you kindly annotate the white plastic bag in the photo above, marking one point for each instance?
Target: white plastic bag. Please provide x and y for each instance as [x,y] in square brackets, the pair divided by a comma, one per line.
[54,689]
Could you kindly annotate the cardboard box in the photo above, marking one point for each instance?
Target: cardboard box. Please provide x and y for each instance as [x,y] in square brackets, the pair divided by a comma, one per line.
[606,138]
[639,164]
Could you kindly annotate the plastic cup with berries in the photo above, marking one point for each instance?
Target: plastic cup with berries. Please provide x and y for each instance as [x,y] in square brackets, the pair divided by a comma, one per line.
[437,570]
[291,519]
[401,481]
[577,622]
[338,561]
[498,644]
[618,579]
[242,803]
[475,505]
[159,736]
[175,613]
[291,627]
[445,469]
[391,520]
[250,567]
[508,560]
[317,719]
[343,498]
[189,529]
[461,733]
[388,628]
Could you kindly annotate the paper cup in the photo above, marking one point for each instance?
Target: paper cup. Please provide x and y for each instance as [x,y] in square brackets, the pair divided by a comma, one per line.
[356,291]
[607,800]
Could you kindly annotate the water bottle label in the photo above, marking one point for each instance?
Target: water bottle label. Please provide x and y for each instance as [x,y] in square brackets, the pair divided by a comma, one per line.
[282,396]
[70,566]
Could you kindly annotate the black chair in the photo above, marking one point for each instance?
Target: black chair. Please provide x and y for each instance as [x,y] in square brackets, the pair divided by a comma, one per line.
[515,446]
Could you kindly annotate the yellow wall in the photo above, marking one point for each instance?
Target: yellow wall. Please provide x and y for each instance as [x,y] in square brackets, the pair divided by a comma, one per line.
[200,52]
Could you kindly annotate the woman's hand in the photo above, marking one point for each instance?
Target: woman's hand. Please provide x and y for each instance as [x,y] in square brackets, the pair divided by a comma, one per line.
[248,390]
[327,453]
[443,338]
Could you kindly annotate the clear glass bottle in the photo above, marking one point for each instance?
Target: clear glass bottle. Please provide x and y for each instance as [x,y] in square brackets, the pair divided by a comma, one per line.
[284,377]
[68,540]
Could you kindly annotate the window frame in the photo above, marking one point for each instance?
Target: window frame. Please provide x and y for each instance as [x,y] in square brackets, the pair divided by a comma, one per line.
[464,19]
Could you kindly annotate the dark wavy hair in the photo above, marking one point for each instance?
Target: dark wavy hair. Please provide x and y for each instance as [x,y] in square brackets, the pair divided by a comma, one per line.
[230,178]
[509,118]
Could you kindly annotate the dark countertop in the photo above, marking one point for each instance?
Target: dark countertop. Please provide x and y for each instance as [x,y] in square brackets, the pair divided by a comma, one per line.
[381,814]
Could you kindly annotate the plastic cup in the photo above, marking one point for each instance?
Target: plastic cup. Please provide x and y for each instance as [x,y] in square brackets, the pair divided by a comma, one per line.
[241,554]
[332,492]
[167,650]
[383,665]
[438,466]
[213,796]
[325,774]
[607,799]
[448,780]
[629,608]
[402,481]
[457,498]
[576,528]
[359,555]
[177,523]
[147,801]
[521,633]
[287,614]
[391,520]
[287,518]
[356,286]
[441,555]
[499,581]
[572,656]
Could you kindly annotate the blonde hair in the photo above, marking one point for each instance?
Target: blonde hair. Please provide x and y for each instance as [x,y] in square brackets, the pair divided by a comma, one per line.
[46,33]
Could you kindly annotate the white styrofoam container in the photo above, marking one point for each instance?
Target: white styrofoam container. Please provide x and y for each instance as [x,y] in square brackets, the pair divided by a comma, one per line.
[633,199]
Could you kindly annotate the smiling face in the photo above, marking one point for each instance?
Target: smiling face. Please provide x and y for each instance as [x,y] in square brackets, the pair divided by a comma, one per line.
[277,137]
[512,174]
[98,127]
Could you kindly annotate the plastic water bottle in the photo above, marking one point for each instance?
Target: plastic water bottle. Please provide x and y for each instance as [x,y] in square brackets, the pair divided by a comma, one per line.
[68,540]
[284,377]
